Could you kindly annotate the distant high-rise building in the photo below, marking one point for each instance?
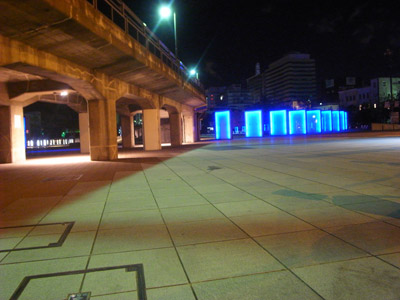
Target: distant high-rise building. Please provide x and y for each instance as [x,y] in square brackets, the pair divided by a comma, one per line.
[255,85]
[290,79]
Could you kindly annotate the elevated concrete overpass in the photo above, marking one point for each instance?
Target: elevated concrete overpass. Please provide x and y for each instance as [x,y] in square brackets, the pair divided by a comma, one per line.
[107,60]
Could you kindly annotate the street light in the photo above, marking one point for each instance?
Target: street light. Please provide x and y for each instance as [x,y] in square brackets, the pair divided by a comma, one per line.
[165,13]
[192,72]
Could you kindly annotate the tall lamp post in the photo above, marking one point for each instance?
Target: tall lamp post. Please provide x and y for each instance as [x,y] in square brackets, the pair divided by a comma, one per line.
[165,12]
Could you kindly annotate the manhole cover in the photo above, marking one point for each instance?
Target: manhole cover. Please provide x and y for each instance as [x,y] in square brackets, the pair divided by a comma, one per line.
[63,178]
[79,296]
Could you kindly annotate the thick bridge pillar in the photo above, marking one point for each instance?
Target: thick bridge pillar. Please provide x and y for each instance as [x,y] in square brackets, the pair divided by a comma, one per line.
[103,130]
[84,134]
[128,137]
[12,134]
[151,129]
[175,122]
[189,130]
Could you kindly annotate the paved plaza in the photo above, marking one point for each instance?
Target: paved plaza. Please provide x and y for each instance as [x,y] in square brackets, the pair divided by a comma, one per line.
[250,219]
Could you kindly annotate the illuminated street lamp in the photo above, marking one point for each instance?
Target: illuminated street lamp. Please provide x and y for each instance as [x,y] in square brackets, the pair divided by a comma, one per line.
[193,73]
[165,13]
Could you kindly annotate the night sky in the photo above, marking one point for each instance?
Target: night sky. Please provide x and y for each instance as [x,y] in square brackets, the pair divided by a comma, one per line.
[226,38]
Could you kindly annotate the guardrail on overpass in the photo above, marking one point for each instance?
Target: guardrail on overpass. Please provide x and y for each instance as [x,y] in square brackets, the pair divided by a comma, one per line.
[125,18]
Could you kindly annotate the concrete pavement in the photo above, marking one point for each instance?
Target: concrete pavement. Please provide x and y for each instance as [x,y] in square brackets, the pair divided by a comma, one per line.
[272,218]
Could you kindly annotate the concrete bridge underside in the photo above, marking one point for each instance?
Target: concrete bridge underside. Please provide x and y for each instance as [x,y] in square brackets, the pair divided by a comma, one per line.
[48,46]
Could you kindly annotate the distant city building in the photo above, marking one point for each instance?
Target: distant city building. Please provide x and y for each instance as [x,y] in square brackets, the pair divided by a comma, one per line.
[238,97]
[355,97]
[255,84]
[331,87]
[234,96]
[384,89]
[290,79]
[380,90]
[215,96]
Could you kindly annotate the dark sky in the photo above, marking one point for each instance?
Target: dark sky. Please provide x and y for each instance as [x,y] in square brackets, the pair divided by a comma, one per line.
[226,38]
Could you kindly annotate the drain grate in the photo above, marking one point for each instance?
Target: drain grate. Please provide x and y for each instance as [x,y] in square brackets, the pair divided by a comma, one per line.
[138,268]
[63,178]
[79,296]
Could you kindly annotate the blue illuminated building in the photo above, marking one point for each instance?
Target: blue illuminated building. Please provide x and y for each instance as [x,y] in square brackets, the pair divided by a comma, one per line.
[342,120]
[253,123]
[281,122]
[222,125]
[335,121]
[313,121]
[297,122]
[278,122]
[326,120]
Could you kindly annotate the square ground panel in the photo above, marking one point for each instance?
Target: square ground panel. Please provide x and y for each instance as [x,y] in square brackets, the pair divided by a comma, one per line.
[138,268]
[63,236]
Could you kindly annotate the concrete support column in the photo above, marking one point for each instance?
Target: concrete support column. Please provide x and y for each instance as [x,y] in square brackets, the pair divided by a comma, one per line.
[128,138]
[132,125]
[12,134]
[188,123]
[151,129]
[84,134]
[197,127]
[175,123]
[103,130]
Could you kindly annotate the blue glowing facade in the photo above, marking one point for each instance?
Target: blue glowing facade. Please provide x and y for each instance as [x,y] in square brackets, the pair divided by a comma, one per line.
[326,121]
[342,120]
[297,122]
[307,122]
[253,123]
[222,125]
[278,122]
[335,121]
[313,121]
[281,122]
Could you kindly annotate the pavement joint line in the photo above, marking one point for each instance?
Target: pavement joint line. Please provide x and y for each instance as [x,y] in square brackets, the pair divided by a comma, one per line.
[255,241]
[172,241]
[40,260]
[95,237]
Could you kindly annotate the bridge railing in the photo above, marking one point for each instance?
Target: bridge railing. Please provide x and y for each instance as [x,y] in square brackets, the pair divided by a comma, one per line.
[125,18]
